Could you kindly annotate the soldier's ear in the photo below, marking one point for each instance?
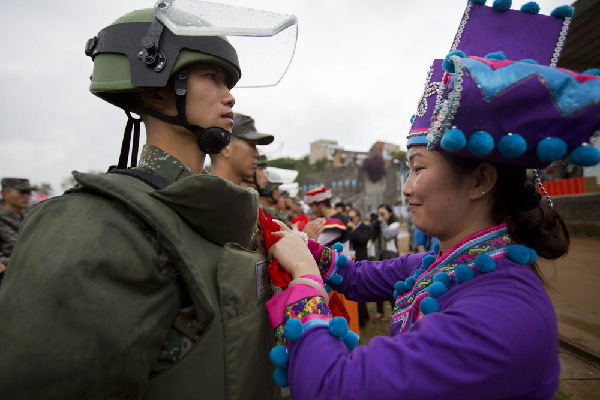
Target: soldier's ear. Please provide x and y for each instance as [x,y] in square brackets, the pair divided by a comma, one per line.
[157,99]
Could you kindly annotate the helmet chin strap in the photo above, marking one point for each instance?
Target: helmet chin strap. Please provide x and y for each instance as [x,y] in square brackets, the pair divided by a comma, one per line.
[211,140]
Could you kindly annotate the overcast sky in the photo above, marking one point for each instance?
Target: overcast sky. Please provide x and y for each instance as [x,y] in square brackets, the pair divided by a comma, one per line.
[356,77]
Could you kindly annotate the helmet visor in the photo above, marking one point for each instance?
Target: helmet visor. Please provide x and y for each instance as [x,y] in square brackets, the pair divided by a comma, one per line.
[264,41]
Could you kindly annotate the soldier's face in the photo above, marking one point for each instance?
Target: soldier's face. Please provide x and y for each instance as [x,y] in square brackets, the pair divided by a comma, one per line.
[209,102]
[16,199]
[243,157]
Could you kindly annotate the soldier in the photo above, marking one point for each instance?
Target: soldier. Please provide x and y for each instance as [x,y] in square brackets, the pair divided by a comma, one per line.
[239,160]
[16,193]
[136,283]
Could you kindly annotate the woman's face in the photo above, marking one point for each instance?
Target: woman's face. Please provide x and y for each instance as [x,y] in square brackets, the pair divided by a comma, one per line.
[383,213]
[438,199]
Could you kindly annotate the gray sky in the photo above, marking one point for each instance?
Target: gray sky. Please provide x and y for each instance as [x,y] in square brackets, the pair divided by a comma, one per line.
[356,77]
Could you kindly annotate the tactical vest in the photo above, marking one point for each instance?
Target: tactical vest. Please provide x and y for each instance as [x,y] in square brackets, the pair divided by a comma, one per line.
[228,284]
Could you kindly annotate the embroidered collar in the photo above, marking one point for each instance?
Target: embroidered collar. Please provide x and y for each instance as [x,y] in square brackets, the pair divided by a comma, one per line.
[416,296]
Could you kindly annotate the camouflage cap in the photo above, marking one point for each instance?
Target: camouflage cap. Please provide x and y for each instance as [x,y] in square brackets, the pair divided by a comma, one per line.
[243,127]
[17,183]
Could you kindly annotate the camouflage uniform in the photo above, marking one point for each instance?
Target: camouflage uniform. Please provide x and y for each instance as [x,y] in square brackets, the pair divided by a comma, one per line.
[9,226]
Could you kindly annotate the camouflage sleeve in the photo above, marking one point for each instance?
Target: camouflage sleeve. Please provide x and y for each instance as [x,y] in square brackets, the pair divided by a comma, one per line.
[84,308]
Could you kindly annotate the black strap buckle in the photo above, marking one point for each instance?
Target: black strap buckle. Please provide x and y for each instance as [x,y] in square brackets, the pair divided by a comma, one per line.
[150,54]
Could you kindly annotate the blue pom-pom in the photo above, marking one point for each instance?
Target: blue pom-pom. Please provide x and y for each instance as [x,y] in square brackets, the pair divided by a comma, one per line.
[480,2]
[437,289]
[342,261]
[336,279]
[498,55]
[412,118]
[293,329]
[350,339]
[592,71]
[279,356]
[481,143]
[512,145]
[427,261]
[436,247]
[338,326]
[453,140]
[463,273]
[484,263]
[562,12]
[328,288]
[418,272]
[280,376]
[551,149]
[429,305]
[409,282]
[528,61]
[533,256]
[532,7]
[448,64]
[518,253]
[338,247]
[444,278]
[399,288]
[585,156]
[502,5]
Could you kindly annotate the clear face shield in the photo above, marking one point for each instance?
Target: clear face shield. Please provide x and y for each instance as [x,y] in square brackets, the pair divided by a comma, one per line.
[264,41]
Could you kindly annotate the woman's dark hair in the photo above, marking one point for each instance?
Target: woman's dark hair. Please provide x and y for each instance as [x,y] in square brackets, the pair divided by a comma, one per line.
[392,218]
[530,220]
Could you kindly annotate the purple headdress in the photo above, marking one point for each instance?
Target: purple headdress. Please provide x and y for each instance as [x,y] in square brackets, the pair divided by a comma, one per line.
[525,113]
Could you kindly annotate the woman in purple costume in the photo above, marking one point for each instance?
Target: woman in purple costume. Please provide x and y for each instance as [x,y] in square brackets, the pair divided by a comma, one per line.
[472,319]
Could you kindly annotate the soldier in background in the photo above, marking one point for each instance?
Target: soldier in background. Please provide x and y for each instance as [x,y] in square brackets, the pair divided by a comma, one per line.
[16,193]
[238,161]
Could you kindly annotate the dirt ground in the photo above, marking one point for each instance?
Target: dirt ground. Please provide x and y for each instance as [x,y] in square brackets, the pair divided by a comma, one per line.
[573,283]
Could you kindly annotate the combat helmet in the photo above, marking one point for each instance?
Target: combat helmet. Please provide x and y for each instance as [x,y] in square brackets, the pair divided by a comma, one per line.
[145,48]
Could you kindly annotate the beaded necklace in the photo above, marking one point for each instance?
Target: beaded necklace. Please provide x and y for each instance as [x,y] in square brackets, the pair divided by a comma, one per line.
[416,296]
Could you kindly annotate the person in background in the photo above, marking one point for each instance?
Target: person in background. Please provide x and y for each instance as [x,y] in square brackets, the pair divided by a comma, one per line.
[388,228]
[340,208]
[424,241]
[16,195]
[238,161]
[259,179]
[330,225]
[360,234]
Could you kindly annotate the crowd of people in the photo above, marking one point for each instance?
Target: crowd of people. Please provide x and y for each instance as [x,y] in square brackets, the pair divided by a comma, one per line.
[155,280]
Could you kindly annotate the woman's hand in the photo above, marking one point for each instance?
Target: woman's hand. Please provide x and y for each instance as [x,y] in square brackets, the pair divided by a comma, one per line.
[293,255]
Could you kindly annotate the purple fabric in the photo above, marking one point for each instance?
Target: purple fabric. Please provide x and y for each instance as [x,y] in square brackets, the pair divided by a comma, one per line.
[518,34]
[495,337]
[427,102]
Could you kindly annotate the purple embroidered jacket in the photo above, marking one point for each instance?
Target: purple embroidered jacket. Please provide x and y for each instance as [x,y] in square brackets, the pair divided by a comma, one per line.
[494,337]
